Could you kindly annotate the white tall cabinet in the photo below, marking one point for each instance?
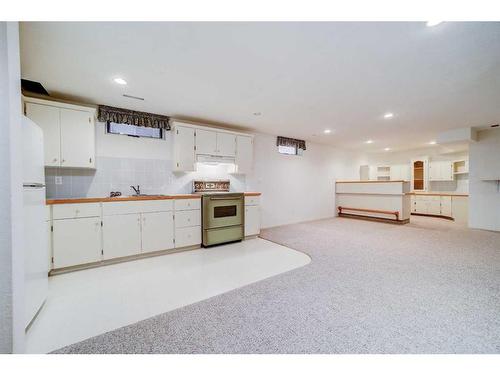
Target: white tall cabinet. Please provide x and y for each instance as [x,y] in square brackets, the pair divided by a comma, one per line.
[68,132]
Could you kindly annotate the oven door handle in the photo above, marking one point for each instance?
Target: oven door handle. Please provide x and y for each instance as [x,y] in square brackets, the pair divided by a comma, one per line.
[225,199]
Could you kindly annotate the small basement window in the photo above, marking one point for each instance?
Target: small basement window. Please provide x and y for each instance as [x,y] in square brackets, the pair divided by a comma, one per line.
[290,150]
[133,130]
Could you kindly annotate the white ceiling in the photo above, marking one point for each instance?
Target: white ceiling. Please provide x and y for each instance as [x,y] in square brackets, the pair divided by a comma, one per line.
[302,77]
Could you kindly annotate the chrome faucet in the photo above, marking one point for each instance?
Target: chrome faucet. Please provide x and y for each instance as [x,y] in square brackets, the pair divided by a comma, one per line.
[137,190]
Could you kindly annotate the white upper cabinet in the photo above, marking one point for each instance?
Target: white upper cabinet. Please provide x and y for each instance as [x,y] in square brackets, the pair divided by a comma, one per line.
[244,154]
[441,171]
[209,142]
[193,142]
[226,144]
[206,142]
[77,139]
[184,142]
[47,118]
[68,132]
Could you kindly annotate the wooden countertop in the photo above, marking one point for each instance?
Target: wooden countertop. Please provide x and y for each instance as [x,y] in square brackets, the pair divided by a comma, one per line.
[131,198]
[368,181]
[438,194]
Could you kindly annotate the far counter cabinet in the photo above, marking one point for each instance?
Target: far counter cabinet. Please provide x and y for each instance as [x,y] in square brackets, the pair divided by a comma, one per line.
[383,200]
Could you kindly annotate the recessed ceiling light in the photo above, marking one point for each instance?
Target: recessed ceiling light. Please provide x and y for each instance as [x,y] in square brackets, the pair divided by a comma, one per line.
[432,142]
[257,113]
[387,149]
[120,81]
[389,115]
[433,23]
[327,131]
[369,141]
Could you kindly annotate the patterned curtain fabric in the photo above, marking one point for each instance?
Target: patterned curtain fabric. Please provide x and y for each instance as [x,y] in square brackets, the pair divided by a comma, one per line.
[126,116]
[291,142]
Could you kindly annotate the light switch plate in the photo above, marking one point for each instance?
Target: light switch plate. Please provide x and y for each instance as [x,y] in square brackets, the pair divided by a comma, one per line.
[58,180]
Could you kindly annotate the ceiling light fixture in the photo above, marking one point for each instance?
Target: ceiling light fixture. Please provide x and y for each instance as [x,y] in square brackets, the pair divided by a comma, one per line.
[369,141]
[389,115]
[432,142]
[433,23]
[327,131]
[387,149]
[120,81]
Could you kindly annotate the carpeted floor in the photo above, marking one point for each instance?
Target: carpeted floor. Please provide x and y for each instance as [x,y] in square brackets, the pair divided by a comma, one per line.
[431,286]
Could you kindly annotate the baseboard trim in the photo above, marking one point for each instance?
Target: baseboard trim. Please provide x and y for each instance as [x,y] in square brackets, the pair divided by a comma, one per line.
[107,262]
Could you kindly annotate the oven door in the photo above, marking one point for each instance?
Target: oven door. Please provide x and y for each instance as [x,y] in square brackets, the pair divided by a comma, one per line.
[222,211]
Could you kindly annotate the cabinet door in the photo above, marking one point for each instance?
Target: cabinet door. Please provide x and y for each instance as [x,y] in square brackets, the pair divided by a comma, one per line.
[47,118]
[157,231]
[184,159]
[373,172]
[121,235]
[446,171]
[446,206]
[226,144]
[252,220]
[420,205]
[188,236]
[76,241]
[244,154]
[434,206]
[435,171]
[206,142]
[77,139]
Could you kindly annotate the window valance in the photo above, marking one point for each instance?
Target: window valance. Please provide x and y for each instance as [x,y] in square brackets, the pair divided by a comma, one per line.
[126,116]
[291,142]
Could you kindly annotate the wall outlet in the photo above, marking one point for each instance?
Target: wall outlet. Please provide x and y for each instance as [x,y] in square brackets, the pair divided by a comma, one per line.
[58,180]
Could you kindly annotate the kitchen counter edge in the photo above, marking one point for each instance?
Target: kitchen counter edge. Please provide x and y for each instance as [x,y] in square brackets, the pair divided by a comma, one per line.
[125,199]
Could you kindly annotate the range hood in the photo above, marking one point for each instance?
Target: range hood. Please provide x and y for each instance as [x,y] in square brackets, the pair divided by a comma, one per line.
[215,159]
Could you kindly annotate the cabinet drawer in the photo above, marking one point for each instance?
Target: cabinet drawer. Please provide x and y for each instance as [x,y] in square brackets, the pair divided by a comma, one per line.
[135,207]
[187,204]
[189,236]
[187,218]
[252,201]
[75,210]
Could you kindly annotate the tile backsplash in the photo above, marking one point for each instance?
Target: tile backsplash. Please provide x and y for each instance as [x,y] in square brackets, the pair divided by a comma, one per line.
[118,174]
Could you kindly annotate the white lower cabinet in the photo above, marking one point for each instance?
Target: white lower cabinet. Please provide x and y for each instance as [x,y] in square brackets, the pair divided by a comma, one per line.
[187,222]
[252,220]
[157,231]
[76,241]
[445,205]
[121,235]
[188,236]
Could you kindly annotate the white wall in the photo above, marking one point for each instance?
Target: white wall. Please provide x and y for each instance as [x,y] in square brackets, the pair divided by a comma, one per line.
[11,254]
[298,188]
[484,196]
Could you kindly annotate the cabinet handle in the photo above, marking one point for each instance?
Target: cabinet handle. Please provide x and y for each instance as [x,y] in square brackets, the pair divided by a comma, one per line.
[63,160]
[55,159]
[90,160]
